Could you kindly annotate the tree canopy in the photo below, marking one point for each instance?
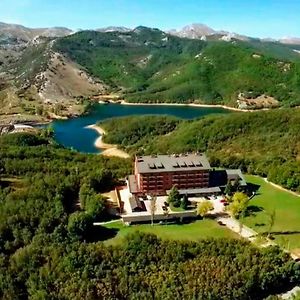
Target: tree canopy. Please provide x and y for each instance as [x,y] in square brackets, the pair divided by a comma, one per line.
[238,205]
[261,143]
[151,66]
[204,207]
[50,250]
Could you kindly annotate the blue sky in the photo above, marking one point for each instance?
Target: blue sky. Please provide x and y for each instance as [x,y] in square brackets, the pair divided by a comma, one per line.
[259,18]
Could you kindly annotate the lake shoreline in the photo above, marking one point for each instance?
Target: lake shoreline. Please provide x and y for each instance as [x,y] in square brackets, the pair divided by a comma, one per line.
[107,149]
[123,102]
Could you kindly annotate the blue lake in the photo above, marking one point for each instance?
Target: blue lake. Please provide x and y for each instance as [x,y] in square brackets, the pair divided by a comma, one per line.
[73,134]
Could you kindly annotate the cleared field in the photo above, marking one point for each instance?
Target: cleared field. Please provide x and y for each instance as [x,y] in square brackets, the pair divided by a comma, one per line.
[286,229]
[192,231]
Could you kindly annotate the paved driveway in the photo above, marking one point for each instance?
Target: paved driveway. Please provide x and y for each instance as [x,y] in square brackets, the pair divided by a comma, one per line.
[235,226]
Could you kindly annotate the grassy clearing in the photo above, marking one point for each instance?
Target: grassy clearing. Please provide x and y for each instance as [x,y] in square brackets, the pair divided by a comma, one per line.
[192,232]
[286,229]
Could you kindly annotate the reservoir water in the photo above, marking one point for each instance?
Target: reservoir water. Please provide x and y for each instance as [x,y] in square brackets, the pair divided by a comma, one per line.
[73,134]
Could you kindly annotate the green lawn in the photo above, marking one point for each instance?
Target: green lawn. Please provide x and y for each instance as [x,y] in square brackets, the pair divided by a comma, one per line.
[180,209]
[286,230]
[193,231]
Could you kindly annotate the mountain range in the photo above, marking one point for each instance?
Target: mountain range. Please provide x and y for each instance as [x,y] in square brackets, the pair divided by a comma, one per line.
[21,33]
[51,71]
[193,31]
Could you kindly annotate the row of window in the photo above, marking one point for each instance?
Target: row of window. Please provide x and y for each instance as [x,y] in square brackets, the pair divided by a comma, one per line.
[187,185]
[195,180]
[175,175]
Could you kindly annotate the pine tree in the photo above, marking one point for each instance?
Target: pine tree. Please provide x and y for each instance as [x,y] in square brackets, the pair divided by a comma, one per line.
[174,197]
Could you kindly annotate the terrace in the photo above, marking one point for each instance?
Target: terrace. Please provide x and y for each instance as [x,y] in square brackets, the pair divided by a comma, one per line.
[139,209]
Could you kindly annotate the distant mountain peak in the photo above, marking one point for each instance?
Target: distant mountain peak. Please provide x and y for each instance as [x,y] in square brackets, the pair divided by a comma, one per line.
[202,31]
[22,34]
[114,29]
[194,31]
[196,27]
[290,40]
[28,34]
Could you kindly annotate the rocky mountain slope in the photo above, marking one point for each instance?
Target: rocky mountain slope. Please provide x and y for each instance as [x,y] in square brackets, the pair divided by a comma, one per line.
[290,40]
[36,81]
[148,65]
[50,71]
[26,34]
[114,28]
[203,32]
[193,31]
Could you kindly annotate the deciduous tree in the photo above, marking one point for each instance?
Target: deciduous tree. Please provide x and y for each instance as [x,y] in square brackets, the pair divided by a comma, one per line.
[153,207]
[204,207]
[239,204]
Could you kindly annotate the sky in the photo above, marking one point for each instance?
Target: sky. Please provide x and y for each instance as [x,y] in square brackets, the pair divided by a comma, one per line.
[257,18]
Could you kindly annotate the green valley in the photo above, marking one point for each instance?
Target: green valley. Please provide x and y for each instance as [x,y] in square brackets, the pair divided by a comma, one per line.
[58,76]
[196,197]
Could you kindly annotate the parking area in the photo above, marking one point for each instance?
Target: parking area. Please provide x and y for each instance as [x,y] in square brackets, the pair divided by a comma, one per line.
[144,205]
[218,202]
[160,203]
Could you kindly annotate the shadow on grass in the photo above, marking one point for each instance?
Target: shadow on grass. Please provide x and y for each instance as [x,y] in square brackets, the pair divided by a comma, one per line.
[260,224]
[174,221]
[100,234]
[284,232]
[252,210]
[252,188]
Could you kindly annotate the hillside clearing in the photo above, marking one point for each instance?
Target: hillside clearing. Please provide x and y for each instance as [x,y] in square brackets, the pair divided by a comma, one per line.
[286,229]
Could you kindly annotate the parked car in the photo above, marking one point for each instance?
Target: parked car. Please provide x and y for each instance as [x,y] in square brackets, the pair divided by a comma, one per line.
[221,223]
[223,201]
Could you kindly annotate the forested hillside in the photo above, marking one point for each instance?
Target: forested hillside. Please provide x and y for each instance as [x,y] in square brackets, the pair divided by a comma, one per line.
[57,76]
[50,250]
[148,65]
[263,143]
[137,131]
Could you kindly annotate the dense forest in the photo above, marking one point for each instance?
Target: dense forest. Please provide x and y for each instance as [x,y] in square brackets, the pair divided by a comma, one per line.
[148,65]
[49,248]
[137,131]
[263,143]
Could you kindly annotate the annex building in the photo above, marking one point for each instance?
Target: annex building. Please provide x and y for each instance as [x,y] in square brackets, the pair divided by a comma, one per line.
[190,173]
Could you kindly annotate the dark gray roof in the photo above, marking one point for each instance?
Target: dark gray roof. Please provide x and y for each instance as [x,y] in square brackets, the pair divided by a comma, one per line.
[209,190]
[171,163]
[236,174]
[136,205]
